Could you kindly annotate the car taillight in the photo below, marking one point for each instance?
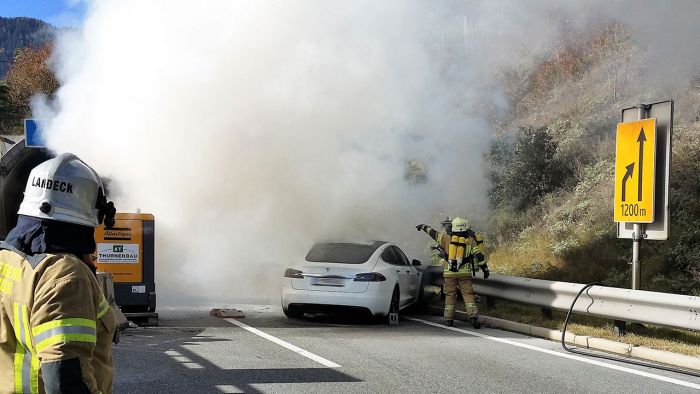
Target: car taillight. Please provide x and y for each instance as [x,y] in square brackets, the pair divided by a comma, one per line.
[292,273]
[370,277]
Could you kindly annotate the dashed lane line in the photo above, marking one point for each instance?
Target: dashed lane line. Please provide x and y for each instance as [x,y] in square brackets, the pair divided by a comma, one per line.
[295,349]
[564,355]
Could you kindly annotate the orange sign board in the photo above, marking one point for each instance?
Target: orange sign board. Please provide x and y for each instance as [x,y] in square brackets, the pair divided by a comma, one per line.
[119,249]
[635,167]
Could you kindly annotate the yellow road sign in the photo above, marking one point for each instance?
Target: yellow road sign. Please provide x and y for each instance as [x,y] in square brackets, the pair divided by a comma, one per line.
[635,156]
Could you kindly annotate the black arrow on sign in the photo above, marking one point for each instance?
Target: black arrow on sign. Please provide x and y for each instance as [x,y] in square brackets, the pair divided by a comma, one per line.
[628,174]
[641,140]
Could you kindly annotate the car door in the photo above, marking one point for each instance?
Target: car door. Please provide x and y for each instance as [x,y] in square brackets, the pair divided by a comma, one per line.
[391,257]
[412,274]
[403,270]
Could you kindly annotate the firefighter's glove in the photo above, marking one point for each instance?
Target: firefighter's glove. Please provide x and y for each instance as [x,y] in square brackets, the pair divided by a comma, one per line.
[421,227]
[485,269]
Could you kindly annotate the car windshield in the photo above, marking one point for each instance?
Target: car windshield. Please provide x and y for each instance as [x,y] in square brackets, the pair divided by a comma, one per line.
[342,253]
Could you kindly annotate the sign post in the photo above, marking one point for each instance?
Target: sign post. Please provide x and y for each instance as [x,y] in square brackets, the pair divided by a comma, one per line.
[642,168]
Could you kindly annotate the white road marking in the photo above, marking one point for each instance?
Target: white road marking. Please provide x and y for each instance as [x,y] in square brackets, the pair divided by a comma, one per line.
[564,355]
[295,349]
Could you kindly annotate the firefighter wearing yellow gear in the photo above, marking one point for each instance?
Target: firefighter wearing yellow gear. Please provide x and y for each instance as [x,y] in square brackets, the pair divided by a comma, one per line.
[463,248]
[56,328]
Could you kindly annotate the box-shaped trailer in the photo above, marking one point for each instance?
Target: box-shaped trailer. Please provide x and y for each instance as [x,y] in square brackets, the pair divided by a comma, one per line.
[127,252]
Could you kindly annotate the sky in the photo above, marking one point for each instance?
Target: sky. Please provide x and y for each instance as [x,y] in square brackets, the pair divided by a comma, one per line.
[59,13]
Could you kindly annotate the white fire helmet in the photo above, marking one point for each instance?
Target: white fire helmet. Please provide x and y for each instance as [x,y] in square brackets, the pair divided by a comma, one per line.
[64,189]
[459,225]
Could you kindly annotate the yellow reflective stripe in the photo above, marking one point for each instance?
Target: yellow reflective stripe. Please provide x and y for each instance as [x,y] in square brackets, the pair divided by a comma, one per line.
[19,349]
[88,338]
[26,364]
[34,378]
[104,307]
[75,321]
[19,362]
[64,330]
[31,365]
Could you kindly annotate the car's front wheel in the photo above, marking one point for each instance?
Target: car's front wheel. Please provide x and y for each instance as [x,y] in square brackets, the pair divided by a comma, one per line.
[293,314]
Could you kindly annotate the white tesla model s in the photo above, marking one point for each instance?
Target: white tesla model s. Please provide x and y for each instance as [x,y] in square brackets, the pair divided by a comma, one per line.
[375,277]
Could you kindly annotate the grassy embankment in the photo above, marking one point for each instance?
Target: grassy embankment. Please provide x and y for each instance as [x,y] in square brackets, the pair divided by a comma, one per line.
[551,164]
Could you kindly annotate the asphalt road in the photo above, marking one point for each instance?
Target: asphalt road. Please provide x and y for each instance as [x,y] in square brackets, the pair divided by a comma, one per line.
[192,352]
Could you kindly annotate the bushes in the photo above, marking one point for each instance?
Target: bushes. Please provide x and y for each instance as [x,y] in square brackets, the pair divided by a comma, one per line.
[525,171]
[553,177]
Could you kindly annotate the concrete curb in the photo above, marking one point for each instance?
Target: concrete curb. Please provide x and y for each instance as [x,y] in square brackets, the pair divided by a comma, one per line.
[624,349]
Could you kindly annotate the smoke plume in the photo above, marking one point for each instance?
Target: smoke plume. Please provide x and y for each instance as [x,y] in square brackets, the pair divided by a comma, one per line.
[252,129]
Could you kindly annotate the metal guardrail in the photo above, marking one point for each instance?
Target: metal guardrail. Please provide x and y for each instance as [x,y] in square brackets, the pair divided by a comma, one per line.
[648,307]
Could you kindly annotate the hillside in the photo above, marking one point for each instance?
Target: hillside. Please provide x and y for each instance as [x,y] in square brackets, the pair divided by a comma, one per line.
[556,146]
[18,33]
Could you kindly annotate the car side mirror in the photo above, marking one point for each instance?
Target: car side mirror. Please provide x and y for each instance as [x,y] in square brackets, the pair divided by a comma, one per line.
[416,263]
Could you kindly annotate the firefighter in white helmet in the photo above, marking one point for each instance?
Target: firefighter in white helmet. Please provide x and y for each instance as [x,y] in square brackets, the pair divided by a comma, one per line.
[465,252]
[56,328]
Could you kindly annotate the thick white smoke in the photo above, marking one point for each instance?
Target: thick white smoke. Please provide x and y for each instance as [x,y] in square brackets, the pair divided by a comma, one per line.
[252,129]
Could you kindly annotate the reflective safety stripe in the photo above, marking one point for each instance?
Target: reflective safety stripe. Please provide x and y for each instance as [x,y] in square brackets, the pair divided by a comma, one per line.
[34,378]
[61,338]
[26,362]
[76,321]
[19,364]
[65,330]
[19,350]
[104,308]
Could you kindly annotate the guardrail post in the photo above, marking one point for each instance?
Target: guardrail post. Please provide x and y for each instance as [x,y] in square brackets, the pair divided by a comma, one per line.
[490,303]
[620,328]
[547,313]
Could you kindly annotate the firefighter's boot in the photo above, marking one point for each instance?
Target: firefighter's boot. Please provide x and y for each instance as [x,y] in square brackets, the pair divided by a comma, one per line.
[475,322]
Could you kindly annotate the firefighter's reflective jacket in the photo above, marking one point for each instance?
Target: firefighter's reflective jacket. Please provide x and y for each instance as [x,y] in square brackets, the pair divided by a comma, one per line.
[53,317]
[462,249]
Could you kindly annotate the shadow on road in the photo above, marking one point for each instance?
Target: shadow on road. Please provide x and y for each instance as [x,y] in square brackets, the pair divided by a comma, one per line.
[161,360]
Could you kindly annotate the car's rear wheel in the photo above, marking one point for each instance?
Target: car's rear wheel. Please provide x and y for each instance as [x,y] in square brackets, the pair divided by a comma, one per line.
[293,314]
[393,315]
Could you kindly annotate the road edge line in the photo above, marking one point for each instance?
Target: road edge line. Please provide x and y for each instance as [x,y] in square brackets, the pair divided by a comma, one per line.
[594,343]
[560,354]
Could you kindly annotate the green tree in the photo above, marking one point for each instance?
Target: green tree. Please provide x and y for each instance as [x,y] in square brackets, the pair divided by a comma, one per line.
[525,171]
[29,74]
[10,115]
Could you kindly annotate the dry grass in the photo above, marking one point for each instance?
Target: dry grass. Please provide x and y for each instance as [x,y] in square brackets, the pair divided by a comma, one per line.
[677,341]
[660,338]
[531,256]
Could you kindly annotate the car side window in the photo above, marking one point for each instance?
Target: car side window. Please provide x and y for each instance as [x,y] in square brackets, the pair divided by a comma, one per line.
[389,256]
[402,257]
